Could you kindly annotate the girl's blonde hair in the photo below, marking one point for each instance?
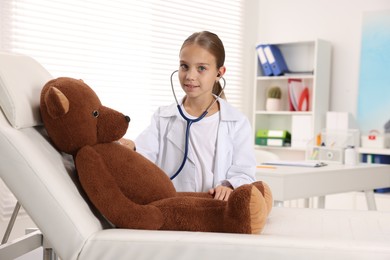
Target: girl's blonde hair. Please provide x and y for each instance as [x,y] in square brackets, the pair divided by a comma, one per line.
[214,45]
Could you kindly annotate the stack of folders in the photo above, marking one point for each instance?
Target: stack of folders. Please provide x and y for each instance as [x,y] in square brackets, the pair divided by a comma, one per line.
[273,137]
[271,60]
[298,95]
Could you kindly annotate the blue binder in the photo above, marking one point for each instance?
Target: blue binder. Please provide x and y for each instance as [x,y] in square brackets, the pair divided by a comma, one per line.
[275,59]
[266,68]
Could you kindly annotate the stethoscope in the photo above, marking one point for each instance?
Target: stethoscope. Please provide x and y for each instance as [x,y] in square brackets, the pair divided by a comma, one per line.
[190,122]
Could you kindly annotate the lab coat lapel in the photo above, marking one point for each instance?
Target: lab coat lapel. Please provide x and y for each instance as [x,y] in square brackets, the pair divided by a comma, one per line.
[224,149]
[176,134]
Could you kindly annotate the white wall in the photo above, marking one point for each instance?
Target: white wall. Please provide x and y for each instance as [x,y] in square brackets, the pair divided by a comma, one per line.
[338,21]
[249,40]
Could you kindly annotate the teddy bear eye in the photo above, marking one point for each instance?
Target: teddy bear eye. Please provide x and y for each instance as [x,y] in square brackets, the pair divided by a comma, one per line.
[95,113]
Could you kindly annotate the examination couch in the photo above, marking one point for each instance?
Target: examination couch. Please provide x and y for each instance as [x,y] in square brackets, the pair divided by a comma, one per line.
[44,183]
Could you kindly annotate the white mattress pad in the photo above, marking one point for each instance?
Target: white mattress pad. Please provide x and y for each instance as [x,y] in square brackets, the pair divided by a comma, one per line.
[289,234]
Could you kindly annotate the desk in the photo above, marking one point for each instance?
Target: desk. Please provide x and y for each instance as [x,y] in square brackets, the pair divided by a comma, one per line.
[290,182]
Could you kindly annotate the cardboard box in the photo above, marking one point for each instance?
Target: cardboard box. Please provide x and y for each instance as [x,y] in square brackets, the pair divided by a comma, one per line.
[375,140]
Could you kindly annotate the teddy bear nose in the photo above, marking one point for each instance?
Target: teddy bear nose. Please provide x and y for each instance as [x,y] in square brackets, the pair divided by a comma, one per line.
[127,119]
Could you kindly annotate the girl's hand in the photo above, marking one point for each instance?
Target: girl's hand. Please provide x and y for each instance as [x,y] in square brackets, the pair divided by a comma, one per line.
[128,143]
[221,192]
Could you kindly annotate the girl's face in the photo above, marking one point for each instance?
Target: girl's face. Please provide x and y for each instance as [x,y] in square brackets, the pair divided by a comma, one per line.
[198,71]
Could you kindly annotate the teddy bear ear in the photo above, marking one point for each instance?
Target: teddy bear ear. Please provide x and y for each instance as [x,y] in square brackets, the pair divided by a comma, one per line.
[56,102]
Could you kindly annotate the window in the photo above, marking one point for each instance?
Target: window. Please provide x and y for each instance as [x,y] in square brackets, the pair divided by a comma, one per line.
[125,50]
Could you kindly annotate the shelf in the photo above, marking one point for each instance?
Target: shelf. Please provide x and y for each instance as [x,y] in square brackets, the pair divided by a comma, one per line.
[286,77]
[305,56]
[382,151]
[289,148]
[284,113]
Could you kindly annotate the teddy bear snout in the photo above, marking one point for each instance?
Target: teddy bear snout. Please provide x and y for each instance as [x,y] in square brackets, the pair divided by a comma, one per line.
[128,119]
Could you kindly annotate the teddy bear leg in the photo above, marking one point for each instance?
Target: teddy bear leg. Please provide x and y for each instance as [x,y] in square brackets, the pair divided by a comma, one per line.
[246,211]
[266,192]
[192,213]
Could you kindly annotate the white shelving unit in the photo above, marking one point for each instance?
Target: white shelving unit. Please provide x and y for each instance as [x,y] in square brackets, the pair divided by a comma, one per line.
[301,56]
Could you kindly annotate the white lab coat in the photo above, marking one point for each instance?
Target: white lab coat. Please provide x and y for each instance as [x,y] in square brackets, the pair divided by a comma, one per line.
[163,143]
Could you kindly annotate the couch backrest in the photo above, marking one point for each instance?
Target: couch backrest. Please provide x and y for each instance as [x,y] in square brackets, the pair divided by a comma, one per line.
[21,81]
[39,176]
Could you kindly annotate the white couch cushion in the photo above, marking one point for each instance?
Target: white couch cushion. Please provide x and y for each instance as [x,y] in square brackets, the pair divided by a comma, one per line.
[21,81]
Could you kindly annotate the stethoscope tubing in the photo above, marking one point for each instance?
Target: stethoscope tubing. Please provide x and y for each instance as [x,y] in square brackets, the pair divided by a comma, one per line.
[187,137]
[189,123]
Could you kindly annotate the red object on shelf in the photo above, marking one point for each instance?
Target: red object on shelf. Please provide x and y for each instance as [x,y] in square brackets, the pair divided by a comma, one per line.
[303,104]
[298,95]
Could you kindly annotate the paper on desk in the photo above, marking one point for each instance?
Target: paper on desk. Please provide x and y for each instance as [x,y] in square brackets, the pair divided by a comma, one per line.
[297,163]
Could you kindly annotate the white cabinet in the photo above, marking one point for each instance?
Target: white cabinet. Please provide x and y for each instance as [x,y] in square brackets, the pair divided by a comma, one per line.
[313,57]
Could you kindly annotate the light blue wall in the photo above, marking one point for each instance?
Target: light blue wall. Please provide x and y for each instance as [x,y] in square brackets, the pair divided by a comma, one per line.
[374,83]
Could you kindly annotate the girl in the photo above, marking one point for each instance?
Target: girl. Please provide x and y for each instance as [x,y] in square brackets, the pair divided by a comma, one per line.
[221,154]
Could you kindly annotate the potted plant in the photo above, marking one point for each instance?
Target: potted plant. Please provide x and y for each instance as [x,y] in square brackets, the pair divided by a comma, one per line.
[274,96]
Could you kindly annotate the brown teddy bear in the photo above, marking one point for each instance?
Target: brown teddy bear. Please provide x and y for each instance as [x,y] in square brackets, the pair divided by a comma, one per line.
[128,189]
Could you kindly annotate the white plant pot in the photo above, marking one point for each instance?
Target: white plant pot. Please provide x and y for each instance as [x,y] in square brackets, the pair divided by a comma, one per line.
[272,104]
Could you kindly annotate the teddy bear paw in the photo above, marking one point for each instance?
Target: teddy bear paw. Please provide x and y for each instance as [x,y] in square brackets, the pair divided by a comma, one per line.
[266,192]
[256,210]
[247,211]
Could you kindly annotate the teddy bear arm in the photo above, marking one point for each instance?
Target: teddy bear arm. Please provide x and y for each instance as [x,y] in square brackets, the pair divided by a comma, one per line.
[107,197]
[195,194]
